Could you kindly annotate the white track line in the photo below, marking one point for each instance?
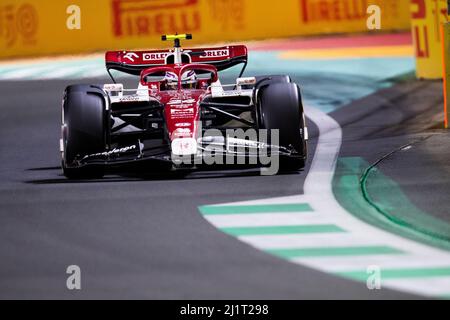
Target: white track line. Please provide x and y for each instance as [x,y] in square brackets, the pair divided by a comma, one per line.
[384,261]
[435,286]
[264,219]
[269,242]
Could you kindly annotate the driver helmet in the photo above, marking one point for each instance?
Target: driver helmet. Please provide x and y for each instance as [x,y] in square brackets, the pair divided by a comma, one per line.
[189,80]
[171,80]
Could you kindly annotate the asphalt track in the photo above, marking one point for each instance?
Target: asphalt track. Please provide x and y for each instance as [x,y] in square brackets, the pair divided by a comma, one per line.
[143,237]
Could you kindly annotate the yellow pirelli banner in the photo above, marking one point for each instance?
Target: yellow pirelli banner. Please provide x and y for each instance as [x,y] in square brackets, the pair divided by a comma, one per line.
[427,17]
[445,31]
[43,27]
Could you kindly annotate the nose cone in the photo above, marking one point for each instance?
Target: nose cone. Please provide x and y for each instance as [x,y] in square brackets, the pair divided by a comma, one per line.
[184,146]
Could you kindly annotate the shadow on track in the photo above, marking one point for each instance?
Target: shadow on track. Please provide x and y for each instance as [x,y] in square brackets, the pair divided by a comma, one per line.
[128,176]
[44,169]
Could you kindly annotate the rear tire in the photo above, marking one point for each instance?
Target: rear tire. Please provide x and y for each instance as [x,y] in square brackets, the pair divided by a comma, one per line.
[83,129]
[280,107]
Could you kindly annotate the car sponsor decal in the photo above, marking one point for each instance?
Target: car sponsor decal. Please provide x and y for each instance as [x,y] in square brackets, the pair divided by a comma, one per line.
[184,146]
[113,87]
[215,53]
[129,98]
[115,151]
[183,124]
[131,56]
[181,132]
[234,142]
[182,113]
[154,56]
[178,101]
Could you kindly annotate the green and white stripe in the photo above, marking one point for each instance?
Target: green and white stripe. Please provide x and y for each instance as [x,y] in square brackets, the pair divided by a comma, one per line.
[314,230]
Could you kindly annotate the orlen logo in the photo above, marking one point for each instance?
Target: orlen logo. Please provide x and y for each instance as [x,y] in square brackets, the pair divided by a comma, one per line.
[154,56]
[130,56]
[216,53]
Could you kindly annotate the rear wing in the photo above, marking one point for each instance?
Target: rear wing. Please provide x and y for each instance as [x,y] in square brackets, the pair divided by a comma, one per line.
[133,62]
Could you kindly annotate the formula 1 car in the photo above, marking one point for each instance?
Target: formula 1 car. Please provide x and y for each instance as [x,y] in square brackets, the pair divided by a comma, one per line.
[181,115]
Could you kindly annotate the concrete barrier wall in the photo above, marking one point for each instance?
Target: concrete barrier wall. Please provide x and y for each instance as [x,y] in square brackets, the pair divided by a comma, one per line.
[39,27]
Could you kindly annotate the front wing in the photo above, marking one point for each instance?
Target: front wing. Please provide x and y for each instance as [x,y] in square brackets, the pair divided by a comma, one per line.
[210,150]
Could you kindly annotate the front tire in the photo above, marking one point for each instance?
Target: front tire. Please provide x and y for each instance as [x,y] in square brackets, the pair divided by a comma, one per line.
[280,107]
[84,119]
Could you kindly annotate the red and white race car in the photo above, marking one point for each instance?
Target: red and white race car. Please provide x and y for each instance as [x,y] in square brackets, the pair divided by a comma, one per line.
[182,115]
